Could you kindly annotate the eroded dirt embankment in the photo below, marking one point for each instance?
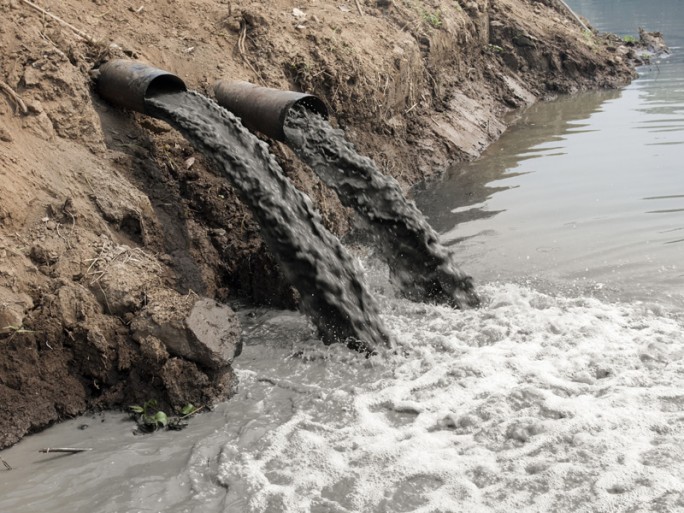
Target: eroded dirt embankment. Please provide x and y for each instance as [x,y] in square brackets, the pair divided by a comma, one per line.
[112,229]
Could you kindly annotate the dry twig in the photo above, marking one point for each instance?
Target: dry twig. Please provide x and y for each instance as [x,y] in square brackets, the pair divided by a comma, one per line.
[59,20]
[65,449]
[574,15]
[243,52]
[358,6]
[59,52]
[10,92]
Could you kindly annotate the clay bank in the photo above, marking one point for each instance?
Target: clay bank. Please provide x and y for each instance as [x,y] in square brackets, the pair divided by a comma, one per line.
[119,248]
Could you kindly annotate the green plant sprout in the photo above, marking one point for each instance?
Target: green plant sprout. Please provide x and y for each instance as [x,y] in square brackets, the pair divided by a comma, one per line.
[494,48]
[149,418]
[434,19]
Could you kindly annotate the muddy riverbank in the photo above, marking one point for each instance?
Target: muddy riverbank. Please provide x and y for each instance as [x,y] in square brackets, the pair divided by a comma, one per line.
[113,231]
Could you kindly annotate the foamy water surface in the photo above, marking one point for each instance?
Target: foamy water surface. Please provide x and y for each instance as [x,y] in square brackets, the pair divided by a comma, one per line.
[533,402]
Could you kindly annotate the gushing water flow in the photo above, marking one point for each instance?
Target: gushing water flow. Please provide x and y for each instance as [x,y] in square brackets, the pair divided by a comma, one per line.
[424,269]
[313,260]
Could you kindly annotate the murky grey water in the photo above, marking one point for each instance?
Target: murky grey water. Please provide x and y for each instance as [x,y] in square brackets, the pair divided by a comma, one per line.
[587,191]
[535,402]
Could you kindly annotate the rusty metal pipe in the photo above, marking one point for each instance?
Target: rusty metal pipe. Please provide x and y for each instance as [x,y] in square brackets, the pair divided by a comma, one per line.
[128,84]
[264,109]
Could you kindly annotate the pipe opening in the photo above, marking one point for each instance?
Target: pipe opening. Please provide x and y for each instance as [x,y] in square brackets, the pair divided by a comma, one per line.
[129,84]
[264,109]
[165,84]
[313,104]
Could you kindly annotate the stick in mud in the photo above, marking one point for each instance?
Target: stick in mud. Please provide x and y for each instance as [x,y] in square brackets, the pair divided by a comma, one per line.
[71,450]
[7,465]
[59,20]
[424,268]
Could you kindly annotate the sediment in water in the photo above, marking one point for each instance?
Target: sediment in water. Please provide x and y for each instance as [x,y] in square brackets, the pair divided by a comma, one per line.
[424,269]
[313,260]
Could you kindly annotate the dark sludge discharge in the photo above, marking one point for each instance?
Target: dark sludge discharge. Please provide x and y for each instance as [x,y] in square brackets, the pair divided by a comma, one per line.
[332,293]
[424,269]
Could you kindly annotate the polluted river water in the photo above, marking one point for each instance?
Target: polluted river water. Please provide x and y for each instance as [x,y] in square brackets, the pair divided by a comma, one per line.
[588,190]
[563,392]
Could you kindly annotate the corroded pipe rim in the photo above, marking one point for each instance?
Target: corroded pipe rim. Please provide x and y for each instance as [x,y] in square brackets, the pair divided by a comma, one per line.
[128,83]
[264,109]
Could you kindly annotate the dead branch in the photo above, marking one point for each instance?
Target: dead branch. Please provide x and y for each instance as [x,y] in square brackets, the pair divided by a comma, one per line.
[10,92]
[243,52]
[59,20]
[358,6]
[573,14]
[71,450]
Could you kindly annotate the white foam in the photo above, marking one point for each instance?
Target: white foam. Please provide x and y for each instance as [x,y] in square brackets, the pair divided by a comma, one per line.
[533,402]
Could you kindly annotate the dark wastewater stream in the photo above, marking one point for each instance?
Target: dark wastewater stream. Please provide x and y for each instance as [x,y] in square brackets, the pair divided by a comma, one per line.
[424,269]
[331,287]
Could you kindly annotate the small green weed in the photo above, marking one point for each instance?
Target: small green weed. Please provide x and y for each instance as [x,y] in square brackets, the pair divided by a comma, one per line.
[493,49]
[150,418]
[630,39]
[434,19]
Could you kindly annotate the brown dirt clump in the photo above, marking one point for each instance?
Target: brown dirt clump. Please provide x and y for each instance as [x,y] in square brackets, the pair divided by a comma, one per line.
[113,231]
